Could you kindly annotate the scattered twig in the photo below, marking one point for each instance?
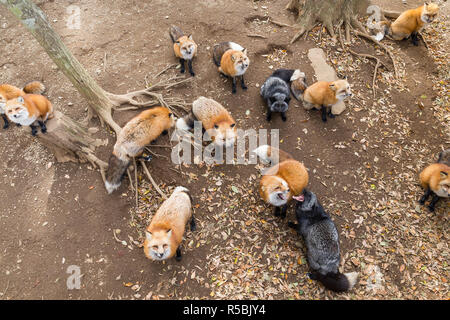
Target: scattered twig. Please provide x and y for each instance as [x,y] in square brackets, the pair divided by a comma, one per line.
[152,181]
[424,41]
[136,182]
[280,24]
[256,36]
[164,70]
[368,37]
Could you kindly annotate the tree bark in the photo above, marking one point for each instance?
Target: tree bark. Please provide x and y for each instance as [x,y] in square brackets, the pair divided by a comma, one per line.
[70,141]
[329,13]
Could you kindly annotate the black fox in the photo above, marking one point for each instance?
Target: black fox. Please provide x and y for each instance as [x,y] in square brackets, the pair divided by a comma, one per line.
[322,242]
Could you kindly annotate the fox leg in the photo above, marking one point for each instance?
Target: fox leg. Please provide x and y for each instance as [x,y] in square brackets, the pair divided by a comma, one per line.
[5,118]
[269,112]
[415,38]
[276,212]
[193,224]
[178,254]
[330,114]
[433,202]
[191,71]
[283,116]
[324,113]
[294,226]
[243,86]
[283,211]
[425,196]
[34,130]
[43,126]
[233,86]
[182,70]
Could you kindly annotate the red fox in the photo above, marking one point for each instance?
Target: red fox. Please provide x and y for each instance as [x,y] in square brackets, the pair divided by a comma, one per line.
[435,179]
[165,232]
[215,119]
[410,22]
[232,60]
[283,181]
[323,95]
[28,110]
[184,48]
[8,92]
[135,135]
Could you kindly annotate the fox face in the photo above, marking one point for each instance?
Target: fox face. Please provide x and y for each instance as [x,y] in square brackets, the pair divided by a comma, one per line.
[240,61]
[159,244]
[276,190]
[341,88]
[224,134]
[444,185]
[279,102]
[187,46]
[429,13]
[17,112]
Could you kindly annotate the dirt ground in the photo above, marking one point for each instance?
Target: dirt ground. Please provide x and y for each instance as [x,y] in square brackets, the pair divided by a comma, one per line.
[363,165]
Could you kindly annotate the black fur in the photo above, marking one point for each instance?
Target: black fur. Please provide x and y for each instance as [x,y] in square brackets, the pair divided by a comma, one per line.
[5,118]
[275,91]
[322,242]
[178,254]
[444,157]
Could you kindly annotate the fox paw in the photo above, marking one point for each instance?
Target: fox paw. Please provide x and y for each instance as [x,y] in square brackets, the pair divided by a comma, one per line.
[431,208]
[6,126]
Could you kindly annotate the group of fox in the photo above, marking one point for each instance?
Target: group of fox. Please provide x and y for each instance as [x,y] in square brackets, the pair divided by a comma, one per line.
[284,181]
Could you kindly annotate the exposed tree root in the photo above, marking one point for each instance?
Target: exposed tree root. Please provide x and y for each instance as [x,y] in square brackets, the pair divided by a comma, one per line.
[151,180]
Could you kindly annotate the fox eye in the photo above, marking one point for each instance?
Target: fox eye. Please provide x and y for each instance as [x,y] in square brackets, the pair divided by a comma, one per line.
[155,247]
[165,246]
[233,125]
[170,114]
[216,126]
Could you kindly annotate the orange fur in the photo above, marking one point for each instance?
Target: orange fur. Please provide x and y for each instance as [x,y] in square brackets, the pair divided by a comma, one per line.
[38,106]
[432,178]
[323,93]
[173,215]
[141,130]
[411,21]
[230,59]
[291,171]
[8,92]
[183,41]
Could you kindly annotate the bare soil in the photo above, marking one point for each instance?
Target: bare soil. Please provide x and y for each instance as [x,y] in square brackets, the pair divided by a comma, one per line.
[364,165]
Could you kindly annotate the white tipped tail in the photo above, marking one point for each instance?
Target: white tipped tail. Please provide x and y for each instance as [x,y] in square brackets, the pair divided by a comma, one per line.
[111,187]
[352,278]
[182,125]
[181,189]
[297,75]
[263,153]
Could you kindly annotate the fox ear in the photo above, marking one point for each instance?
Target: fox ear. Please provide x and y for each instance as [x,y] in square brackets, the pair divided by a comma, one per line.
[20,100]
[244,51]
[444,174]
[190,37]
[177,42]
[333,87]
[148,236]
[233,58]
[169,232]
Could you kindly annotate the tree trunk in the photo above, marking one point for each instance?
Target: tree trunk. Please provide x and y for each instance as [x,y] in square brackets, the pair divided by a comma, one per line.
[70,141]
[35,21]
[329,13]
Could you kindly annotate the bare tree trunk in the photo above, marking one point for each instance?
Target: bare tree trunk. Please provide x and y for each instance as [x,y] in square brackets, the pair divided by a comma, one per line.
[70,141]
[35,21]
[329,13]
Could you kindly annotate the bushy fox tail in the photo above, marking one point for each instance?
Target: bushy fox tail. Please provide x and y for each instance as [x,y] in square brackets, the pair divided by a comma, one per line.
[35,87]
[175,33]
[337,282]
[271,154]
[115,172]
[187,122]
